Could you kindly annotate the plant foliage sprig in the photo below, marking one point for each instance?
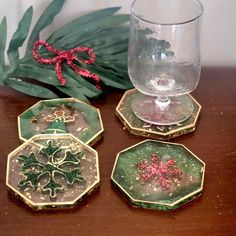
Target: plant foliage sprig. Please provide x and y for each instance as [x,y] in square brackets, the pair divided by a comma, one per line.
[101,30]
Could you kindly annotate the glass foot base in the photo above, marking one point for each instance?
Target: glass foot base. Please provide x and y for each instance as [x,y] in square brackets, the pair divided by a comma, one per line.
[178,109]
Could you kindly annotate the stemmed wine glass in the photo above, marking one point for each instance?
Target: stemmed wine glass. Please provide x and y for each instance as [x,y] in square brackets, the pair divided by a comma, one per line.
[164,58]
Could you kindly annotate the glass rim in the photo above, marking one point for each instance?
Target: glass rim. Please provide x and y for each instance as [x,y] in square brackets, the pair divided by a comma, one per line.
[168,24]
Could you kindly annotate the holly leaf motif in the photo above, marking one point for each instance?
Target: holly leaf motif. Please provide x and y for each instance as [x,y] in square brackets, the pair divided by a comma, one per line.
[52,187]
[72,158]
[73,176]
[28,161]
[50,150]
[34,169]
[31,179]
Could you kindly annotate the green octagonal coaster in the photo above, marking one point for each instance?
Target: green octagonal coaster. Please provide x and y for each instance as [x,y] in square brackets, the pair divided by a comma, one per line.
[138,127]
[158,175]
[60,116]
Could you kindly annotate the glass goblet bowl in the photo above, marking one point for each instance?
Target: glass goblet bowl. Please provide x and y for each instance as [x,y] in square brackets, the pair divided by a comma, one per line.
[164,58]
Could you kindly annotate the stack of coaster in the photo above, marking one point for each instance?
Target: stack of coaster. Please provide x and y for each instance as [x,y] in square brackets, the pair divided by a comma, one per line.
[55,167]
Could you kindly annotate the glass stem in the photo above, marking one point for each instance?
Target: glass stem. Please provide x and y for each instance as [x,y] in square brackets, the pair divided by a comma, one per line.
[162,102]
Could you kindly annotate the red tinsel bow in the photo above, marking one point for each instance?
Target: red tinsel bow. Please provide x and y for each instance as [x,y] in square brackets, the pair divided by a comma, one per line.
[67,56]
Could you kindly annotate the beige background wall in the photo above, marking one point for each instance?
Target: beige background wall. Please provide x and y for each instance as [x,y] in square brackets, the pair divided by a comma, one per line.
[218,31]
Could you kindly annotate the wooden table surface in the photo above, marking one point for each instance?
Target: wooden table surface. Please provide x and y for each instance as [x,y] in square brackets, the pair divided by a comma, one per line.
[105,212]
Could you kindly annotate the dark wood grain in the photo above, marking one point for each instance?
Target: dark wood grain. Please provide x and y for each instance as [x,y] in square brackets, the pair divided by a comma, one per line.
[105,212]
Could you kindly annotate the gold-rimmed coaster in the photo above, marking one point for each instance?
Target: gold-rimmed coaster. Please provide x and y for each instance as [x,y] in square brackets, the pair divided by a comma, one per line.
[158,175]
[52,171]
[60,116]
[138,127]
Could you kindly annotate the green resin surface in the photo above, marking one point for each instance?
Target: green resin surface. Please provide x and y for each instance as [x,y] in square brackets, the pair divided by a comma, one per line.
[60,116]
[158,175]
[139,127]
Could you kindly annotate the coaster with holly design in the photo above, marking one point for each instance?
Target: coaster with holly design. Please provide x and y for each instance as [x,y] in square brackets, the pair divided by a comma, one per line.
[52,171]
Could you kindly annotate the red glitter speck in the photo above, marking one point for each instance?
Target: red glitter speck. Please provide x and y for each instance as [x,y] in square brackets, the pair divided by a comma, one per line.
[162,172]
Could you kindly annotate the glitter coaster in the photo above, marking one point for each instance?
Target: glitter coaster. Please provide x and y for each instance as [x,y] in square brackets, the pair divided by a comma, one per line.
[138,127]
[158,175]
[52,171]
[60,116]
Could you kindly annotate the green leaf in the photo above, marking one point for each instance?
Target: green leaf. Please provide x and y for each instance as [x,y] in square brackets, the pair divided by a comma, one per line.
[69,40]
[30,89]
[101,30]
[74,92]
[95,40]
[89,89]
[44,74]
[120,84]
[110,79]
[80,21]
[119,59]
[19,36]
[115,34]
[3,39]
[37,73]
[110,44]
[45,19]
[100,48]
[119,69]
[116,48]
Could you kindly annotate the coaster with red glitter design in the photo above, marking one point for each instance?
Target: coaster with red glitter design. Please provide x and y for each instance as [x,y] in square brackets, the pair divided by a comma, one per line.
[158,175]
[161,172]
